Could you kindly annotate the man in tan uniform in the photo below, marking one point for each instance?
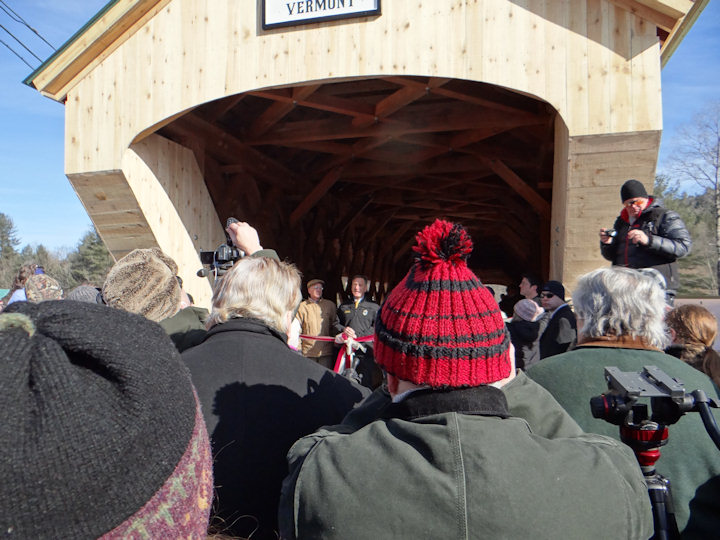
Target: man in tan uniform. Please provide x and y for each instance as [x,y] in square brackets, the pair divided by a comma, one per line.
[317,317]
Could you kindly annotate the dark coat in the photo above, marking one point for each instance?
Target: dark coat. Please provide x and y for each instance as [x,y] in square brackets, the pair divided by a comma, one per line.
[360,318]
[460,464]
[187,327]
[690,459]
[525,338]
[669,240]
[258,398]
[561,331]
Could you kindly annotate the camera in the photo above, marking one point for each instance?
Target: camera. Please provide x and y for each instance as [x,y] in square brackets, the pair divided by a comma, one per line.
[222,259]
[612,233]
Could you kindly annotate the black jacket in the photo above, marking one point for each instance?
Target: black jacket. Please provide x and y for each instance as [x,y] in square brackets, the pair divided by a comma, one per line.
[669,240]
[561,331]
[258,398]
[360,318]
[525,338]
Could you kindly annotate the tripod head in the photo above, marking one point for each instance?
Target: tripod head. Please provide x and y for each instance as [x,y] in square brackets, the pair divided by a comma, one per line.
[668,400]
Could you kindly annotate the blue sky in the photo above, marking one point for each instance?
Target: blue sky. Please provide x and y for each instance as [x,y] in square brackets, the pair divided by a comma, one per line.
[36,195]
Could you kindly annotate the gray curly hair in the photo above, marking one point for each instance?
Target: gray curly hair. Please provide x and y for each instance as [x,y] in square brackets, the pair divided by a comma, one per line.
[619,301]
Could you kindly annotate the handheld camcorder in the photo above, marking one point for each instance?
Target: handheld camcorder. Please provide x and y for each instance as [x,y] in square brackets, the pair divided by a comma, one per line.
[222,259]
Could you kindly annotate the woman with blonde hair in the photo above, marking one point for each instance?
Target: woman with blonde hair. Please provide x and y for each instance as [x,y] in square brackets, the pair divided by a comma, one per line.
[258,396]
[693,329]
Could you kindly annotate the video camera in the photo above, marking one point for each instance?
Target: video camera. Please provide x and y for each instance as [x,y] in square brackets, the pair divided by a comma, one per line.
[222,259]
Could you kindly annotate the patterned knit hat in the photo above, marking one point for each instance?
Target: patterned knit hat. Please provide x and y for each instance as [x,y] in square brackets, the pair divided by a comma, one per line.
[41,287]
[144,281]
[100,429]
[440,326]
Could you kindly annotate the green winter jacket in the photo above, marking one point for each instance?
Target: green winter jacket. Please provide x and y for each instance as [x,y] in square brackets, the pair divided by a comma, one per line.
[462,463]
[690,459]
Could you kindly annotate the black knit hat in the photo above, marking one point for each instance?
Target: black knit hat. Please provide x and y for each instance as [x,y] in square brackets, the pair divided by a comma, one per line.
[99,427]
[632,189]
[554,287]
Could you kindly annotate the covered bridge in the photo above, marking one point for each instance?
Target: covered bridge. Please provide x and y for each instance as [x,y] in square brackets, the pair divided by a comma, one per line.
[339,138]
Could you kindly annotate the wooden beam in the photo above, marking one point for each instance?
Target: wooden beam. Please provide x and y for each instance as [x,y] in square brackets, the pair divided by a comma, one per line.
[671,8]
[322,102]
[400,98]
[254,161]
[219,108]
[315,195]
[452,117]
[540,205]
[461,96]
[659,19]
[279,109]
[99,38]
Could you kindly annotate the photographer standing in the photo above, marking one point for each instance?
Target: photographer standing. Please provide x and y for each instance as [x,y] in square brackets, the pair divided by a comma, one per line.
[646,235]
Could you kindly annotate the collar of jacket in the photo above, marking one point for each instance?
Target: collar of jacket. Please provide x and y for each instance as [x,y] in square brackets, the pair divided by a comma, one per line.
[479,400]
[651,203]
[622,342]
[246,324]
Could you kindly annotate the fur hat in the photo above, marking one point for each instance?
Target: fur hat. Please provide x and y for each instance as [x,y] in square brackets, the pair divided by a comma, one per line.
[144,282]
[41,287]
[440,326]
[101,431]
[528,310]
[632,189]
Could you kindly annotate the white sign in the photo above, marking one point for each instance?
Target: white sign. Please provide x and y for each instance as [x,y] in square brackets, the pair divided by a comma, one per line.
[292,12]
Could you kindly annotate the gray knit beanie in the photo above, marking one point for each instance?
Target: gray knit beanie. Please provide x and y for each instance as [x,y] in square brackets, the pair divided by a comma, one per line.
[84,293]
[100,429]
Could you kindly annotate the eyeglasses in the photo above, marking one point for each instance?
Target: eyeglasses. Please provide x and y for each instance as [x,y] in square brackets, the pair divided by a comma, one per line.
[546,295]
[635,202]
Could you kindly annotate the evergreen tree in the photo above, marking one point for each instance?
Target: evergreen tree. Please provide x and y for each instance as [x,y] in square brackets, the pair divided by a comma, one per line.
[91,261]
[9,257]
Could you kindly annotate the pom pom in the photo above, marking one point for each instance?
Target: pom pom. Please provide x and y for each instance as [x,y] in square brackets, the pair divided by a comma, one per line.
[443,241]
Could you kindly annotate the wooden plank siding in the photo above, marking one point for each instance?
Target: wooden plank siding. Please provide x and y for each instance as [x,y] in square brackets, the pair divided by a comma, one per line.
[261,115]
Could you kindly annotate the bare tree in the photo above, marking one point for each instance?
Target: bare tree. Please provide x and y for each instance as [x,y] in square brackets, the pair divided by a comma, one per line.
[697,160]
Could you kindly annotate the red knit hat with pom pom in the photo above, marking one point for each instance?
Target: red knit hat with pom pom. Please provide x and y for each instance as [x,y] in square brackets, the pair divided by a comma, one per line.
[440,326]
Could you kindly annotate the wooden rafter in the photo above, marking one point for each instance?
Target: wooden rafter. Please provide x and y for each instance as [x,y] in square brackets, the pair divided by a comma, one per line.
[315,195]
[279,109]
[343,163]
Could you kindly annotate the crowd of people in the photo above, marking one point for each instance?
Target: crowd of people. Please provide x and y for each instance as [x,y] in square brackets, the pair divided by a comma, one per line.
[127,411]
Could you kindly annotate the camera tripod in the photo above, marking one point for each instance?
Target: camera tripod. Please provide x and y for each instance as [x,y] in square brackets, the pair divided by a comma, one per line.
[645,433]
[645,438]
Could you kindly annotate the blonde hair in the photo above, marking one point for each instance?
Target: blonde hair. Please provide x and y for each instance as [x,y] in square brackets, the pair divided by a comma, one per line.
[695,327]
[258,288]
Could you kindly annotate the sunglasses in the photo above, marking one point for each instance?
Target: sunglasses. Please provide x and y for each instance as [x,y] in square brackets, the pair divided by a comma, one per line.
[635,202]
[546,295]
